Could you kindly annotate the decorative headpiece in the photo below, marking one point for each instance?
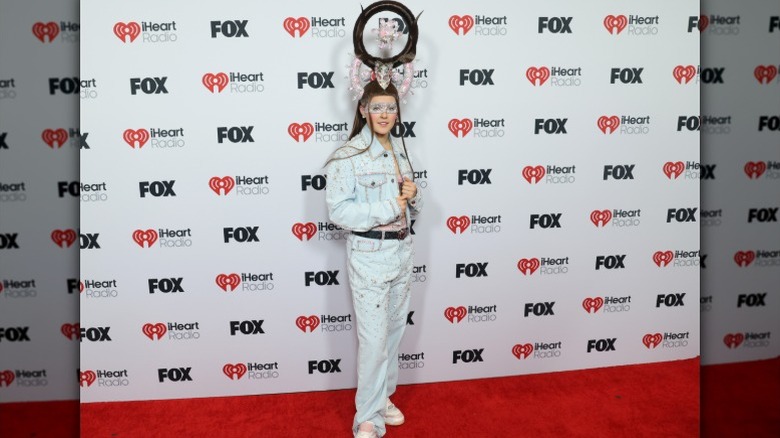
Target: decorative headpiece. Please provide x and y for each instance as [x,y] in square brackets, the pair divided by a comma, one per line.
[366,67]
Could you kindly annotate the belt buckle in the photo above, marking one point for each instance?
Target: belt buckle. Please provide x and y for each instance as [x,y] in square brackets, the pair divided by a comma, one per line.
[402,234]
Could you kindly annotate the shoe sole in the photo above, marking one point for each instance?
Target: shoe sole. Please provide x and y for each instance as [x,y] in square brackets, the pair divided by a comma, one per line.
[393,422]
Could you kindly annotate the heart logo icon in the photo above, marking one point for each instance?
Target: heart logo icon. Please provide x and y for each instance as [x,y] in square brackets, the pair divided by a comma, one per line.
[460,127]
[608,123]
[455,314]
[461,25]
[228,281]
[136,137]
[129,30]
[663,258]
[458,224]
[528,266]
[652,340]
[234,372]
[152,330]
[215,81]
[684,73]
[592,305]
[300,24]
[537,76]
[307,323]
[304,231]
[522,351]
[600,217]
[615,23]
[223,185]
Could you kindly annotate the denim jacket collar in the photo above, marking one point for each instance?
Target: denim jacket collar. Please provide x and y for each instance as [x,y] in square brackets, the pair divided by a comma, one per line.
[376,149]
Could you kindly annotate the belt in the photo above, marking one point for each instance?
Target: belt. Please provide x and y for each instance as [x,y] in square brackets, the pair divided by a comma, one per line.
[394,235]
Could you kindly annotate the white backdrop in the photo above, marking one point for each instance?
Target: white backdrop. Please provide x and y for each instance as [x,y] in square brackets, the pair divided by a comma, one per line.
[158,344]
[494,334]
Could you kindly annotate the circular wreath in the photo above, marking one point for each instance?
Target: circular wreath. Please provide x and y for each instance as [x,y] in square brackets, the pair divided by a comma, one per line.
[409,51]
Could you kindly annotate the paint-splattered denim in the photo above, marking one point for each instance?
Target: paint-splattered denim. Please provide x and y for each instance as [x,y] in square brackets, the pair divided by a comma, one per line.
[361,193]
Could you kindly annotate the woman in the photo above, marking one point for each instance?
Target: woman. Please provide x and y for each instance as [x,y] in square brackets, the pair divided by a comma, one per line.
[371,192]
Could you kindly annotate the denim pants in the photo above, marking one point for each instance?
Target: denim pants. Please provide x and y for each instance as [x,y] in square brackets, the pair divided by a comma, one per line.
[379,276]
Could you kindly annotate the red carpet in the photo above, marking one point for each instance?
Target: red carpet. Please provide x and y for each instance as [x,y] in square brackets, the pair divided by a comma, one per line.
[601,402]
[741,399]
[639,400]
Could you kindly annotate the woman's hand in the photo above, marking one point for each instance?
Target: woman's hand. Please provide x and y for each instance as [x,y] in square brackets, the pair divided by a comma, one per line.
[408,189]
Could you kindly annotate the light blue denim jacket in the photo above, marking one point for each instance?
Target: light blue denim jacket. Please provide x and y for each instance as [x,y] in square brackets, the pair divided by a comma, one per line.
[361,190]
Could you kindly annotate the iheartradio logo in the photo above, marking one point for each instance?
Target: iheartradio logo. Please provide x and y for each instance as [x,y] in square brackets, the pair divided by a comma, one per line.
[154,330]
[652,340]
[754,169]
[600,217]
[733,340]
[684,73]
[300,131]
[461,25]
[54,138]
[765,74]
[460,127]
[455,314]
[42,31]
[663,258]
[608,123]
[215,82]
[528,266]
[127,31]
[673,169]
[592,305]
[228,282]
[304,231]
[522,351]
[147,237]
[87,378]
[307,323]
[300,25]
[615,23]
[137,137]
[6,377]
[458,224]
[223,185]
[744,258]
[70,331]
[234,372]
[533,174]
[704,21]
[63,238]
[537,76]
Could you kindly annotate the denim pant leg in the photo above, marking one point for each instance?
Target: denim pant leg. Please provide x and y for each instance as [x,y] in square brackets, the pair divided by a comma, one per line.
[374,267]
[400,296]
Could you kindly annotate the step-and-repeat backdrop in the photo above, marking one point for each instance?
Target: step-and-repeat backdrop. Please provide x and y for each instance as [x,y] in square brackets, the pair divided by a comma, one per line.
[557,147]
[740,150]
[39,195]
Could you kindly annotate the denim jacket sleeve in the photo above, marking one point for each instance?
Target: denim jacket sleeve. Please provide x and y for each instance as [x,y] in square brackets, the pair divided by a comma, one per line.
[344,207]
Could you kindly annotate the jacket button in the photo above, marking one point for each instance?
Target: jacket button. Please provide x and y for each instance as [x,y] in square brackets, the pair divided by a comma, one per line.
[392,180]
[373,183]
[385,155]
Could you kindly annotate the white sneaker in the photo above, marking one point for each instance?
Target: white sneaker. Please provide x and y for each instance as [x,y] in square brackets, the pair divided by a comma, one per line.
[367,434]
[393,415]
